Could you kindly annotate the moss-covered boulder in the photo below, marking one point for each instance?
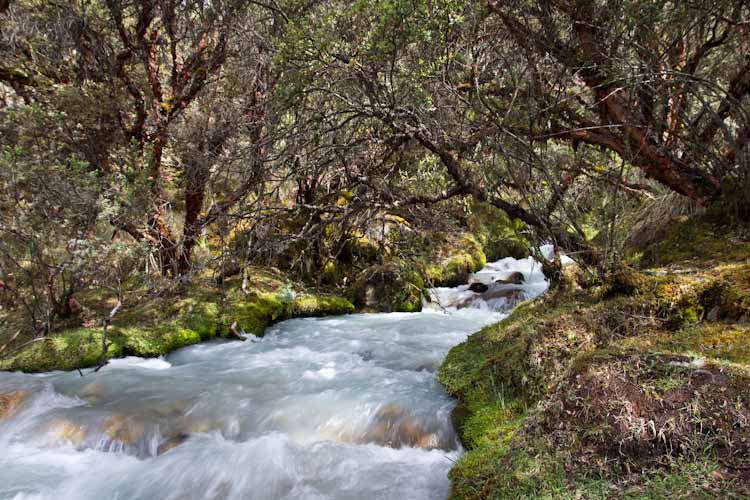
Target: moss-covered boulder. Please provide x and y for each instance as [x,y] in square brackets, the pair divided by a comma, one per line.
[458,257]
[499,235]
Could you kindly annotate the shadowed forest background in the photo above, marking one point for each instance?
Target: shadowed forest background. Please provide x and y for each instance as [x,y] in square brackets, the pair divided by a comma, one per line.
[172,171]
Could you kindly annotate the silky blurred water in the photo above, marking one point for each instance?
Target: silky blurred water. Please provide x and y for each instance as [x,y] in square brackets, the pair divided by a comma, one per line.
[338,408]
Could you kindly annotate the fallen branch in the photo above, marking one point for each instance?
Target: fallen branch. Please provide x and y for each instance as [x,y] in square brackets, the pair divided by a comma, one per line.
[105,323]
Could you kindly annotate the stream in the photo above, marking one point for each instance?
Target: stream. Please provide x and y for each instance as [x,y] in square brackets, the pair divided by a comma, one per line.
[344,407]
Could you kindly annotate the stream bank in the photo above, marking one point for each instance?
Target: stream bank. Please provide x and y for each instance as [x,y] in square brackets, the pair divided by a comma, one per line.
[634,389]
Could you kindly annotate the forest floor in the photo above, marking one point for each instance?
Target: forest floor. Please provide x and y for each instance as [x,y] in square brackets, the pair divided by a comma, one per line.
[636,389]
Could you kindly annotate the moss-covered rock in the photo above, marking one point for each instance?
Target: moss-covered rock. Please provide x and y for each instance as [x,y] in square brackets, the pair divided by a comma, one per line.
[389,288]
[162,324]
[499,235]
[465,256]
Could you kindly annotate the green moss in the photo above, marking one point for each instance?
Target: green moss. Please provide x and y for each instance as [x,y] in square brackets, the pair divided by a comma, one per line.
[203,318]
[626,281]
[156,341]
[553,396]
[718,341]
[327,305]
[255,313]
[696,239]
[77,348]
[499,235]
[163,324]
[541,475]
[467,257]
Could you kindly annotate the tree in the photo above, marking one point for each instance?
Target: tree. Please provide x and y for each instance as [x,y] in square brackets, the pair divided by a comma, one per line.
[664,86]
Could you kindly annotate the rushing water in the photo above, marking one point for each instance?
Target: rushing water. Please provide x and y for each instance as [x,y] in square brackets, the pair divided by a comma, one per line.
[343,407]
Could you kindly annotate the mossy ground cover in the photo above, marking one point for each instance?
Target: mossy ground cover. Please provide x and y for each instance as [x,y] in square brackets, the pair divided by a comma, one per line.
[637,389]
[154,325]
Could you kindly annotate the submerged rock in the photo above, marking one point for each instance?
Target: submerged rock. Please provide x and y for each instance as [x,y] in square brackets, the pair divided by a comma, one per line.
[66,431]
[91,392]
[10,402]
[172,442]
[122,429]
[392,426]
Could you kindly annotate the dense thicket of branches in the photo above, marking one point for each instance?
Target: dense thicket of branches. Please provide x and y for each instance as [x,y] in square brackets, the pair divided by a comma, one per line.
[167,138]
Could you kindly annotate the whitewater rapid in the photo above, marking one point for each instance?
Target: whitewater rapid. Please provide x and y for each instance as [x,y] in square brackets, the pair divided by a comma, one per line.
[334,408]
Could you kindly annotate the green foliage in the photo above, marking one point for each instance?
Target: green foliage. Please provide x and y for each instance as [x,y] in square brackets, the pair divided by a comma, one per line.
[465,256]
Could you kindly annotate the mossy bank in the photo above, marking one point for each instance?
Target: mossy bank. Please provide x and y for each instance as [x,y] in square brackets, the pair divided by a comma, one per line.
[151,325]
[639,388]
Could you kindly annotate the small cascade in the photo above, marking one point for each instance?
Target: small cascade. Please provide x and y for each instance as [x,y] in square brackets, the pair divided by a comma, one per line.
[498,287]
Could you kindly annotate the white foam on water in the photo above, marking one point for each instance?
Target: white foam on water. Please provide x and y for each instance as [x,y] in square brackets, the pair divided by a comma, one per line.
[149,363]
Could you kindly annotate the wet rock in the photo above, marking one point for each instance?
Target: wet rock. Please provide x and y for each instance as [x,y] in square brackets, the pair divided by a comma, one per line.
[713,314]
[171,443]
[119,428]
[63,430]
[515,278]
[366,355]
[202,426]
[10,402]
[392,426]
[389,411]
[511,295]
[167,409]
[462,304]
[478,287]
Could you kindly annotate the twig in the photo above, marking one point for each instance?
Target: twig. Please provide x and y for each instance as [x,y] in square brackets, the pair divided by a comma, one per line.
[105,323]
